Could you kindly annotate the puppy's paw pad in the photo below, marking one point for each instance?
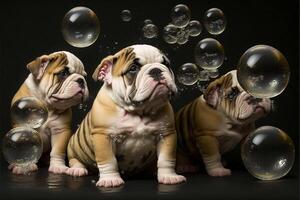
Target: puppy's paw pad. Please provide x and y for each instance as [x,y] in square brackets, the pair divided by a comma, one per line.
[219,172]
[76,171]
[57,169]
[171,179]
[25,170]
[110,182]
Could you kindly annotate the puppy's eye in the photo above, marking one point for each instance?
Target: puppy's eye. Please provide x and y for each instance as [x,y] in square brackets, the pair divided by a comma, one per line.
[233,93]
[64,73]
[133,69]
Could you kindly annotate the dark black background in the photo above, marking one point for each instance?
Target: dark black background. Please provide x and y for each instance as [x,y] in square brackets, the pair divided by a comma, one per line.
[31,28]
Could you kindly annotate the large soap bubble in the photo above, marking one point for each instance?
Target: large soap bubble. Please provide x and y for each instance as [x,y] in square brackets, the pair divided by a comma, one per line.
[80,27]
[22,146]
[195,28]
[214,21]
[209,54]
[263,71]
[29,111]
[188,74]
[181,15]
[268,153]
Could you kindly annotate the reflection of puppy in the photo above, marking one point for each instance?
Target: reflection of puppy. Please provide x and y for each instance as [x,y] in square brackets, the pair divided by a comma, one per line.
[131,119]
[57,81]
[215,122]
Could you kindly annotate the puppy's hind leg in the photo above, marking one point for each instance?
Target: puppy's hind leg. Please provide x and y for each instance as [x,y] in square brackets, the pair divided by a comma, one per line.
[76,169]
[209,149]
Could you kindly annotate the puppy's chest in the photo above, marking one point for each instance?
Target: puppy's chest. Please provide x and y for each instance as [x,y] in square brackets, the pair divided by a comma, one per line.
[134,141]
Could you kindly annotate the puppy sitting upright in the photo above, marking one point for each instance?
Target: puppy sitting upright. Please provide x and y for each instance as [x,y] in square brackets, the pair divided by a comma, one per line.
[131,120]
[58,81]
[215,123]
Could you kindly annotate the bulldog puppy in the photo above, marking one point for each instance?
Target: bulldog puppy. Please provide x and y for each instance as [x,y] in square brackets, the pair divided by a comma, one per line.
[131,122]
[58,81]
[215,123]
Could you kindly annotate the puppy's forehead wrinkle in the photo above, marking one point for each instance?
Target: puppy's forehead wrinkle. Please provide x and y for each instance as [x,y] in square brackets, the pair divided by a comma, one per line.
[123,58]
[147,54]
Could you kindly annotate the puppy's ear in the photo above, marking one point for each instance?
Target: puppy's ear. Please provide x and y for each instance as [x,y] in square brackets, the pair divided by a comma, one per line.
[104,70]
[37,67]
[214,90]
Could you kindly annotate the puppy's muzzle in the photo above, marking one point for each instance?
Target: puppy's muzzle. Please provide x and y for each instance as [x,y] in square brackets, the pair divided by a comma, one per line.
[156,74]
[81,83]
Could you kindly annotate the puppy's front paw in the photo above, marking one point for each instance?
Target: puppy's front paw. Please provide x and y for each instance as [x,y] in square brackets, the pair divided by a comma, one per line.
[110,181]
[23,169]
[171,179]
[58,169]
[219,172]
[77,171]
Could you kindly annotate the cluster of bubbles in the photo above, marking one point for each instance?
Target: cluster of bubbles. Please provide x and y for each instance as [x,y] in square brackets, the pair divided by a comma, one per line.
[268,153]
[181,28]
[80,27]
[209,55]
[263,71]
[23,145]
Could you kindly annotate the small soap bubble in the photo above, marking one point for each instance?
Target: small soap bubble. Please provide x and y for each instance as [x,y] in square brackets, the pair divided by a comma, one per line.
[213,73]
[29,111]
[22,146]
[263,71]
[180,15]
[183,36]
[195,28]
[170,34]
[126,15]
[214,21]
[150,31]
[209,54]
[148,21]
[204,75]
[268,153]
[188,74]
[80,27]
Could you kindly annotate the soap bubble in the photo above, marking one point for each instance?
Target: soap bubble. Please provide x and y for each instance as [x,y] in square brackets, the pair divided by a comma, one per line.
[268,153]
[204,75]
[180,15]
[187,74]
[183,36]
[209,54]
[150,31]
[213,73]
[22,146]
[80,27]
[148,21]
[29,111]
[126,15]
[170,33]
[214,21]
[263,71]
[195,28]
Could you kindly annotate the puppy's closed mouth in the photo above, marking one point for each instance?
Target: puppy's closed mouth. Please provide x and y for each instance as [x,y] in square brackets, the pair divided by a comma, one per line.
[56,97]
[158,86]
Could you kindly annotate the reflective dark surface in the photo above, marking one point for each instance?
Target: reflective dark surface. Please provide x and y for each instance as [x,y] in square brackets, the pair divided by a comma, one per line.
[241,185]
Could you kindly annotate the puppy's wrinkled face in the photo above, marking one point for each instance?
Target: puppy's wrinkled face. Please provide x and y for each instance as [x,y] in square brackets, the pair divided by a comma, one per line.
[60,79]
[139,77]
[227,96]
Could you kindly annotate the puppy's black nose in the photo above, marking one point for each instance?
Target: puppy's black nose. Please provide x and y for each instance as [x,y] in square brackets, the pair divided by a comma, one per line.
[81,83]
[155,73]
